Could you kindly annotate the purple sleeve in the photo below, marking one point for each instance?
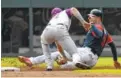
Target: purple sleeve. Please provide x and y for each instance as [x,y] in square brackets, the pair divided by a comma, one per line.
[68,11]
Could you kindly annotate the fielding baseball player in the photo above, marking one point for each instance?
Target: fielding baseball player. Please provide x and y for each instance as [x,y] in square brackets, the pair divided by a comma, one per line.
[57,30]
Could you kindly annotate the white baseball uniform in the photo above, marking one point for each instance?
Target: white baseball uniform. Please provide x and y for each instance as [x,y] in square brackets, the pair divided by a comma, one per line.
[57,30]
[83,56]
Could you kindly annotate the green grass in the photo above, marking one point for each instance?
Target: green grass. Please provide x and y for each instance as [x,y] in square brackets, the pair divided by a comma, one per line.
[106,61]
[10,62]
[104,65]
[102,71]
[14,62]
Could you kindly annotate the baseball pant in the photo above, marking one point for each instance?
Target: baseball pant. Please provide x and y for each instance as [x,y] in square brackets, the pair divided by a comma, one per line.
[56,33]
[41,59]
[85,57]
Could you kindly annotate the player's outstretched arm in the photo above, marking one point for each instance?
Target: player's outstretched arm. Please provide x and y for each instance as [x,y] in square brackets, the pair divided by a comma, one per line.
[77,14]
[63,59]
[114,52]
[60,49]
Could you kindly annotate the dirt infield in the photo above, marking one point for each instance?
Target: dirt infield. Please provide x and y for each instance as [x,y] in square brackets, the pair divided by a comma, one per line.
[37,72]
[53,74]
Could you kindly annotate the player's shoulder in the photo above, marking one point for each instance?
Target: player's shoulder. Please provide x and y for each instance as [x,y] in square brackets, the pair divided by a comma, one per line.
[98,26]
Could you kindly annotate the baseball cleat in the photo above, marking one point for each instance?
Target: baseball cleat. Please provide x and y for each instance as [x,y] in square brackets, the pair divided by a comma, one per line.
[81,66]
[48,69]
[25,60]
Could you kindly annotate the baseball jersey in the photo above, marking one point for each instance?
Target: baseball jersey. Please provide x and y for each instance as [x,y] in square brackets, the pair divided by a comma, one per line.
[62,18]
[96,38]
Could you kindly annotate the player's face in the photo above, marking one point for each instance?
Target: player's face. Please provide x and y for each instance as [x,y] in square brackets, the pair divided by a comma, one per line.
[92,19]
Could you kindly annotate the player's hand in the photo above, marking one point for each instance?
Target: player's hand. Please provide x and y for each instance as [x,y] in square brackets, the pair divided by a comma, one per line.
[117,65]
[61,60]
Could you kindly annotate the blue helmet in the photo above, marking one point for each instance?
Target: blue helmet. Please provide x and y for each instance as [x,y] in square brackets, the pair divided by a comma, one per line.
[96,12]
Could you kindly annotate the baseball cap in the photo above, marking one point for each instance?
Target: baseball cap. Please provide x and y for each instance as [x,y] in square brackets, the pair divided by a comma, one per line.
[55,11]
[95,12]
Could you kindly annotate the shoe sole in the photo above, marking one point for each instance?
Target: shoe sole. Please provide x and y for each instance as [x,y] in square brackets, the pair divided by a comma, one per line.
[48,69]
[21,59]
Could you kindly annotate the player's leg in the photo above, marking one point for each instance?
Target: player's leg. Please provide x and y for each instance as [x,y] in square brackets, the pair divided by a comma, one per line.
[68,44]
[54,56]
[65,40]
[68,65]
[89,58]
[37,60]
[41,59]
[47,54]
[47,37]
[84,58]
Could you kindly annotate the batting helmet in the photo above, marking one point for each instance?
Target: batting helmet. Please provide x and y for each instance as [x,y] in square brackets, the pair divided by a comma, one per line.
[96,12]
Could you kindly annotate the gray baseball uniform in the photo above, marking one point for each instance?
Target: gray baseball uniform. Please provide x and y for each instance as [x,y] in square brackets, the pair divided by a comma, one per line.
[57,30]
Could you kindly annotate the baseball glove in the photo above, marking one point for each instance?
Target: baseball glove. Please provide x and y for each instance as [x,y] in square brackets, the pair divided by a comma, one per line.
[61,60]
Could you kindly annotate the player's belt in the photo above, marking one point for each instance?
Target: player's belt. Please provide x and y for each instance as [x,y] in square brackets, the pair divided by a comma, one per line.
[63,25]
[94,52]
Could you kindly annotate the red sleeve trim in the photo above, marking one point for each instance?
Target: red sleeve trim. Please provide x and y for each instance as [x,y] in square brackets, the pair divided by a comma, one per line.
[93,33]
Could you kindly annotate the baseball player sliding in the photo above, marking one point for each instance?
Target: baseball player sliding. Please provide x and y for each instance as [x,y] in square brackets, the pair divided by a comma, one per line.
[96,38]
[64,64]
[86,56]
